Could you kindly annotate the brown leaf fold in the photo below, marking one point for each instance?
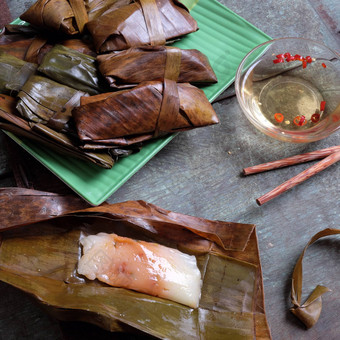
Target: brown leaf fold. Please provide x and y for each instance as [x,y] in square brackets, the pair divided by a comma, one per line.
[310,310]
[32,53]
[153,22]
[20,206]
[80,14]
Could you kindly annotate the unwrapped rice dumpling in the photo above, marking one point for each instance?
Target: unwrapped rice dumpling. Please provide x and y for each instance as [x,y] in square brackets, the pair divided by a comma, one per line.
[142,22]
[135,65]
[150,109]
[146,267]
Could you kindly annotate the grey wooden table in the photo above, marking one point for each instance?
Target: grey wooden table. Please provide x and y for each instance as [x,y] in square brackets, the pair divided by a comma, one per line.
[199,173]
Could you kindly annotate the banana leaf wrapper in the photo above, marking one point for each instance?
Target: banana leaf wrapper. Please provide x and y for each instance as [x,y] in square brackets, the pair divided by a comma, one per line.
[42,100]
[95,8]
[14,73]
[136,65]
[64,17]
[72,68]
[11,121]
[231,305]
[143,22]
[149,110]
[27,43]
[309,311]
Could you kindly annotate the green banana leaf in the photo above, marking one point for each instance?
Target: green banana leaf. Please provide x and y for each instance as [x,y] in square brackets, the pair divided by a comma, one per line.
[42,260]
[45,101]
[72,68]
[60,142]
[14,73]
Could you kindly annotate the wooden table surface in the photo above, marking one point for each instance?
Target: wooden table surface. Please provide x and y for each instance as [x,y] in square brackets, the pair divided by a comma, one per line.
[199,173]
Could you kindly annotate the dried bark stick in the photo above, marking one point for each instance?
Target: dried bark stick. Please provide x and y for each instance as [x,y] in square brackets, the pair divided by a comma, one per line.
[323,164]
[306,157]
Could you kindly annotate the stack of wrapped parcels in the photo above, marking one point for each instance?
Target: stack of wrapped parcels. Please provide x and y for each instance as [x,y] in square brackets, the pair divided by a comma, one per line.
[97,79]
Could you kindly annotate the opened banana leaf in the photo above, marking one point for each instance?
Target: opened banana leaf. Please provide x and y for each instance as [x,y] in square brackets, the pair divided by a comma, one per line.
[60,142]
[27,43]
[149,110]
[142,22]
[72,68]
[14,73]
[58,16]
[135,65]
[231,304]
[42,100]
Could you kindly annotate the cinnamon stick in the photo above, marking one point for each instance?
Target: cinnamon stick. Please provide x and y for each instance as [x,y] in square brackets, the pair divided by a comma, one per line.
[304,175]
[306,157]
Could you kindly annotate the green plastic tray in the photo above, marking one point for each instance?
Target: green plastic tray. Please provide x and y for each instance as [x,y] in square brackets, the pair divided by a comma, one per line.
[224,37]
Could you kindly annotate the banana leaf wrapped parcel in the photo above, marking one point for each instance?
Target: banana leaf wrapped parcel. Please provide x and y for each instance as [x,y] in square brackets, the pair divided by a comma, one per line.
[135,65]
[60,142]
[66,17]
[142,22]
[14,73]
[45,101]
[29,44]
[74,69]
[148,110]
[231,304]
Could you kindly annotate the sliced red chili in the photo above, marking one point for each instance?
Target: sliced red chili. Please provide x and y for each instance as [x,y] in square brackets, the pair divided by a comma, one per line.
[323,65]
[290,58]
[280,56]
[287,55]
[322,105]
[300,120]
[309,59]
[304,63]
[276,61]
[298,57]
[279,117]
[315,117]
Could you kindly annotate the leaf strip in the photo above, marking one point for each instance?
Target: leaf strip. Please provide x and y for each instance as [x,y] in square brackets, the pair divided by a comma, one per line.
[80,14]
[308,312]
[153,22]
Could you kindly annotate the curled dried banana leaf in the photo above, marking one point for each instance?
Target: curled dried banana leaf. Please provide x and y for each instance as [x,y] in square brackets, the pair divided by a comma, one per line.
[309,311]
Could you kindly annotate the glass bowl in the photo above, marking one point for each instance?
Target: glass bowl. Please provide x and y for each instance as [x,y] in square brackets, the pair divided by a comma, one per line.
[289,88]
